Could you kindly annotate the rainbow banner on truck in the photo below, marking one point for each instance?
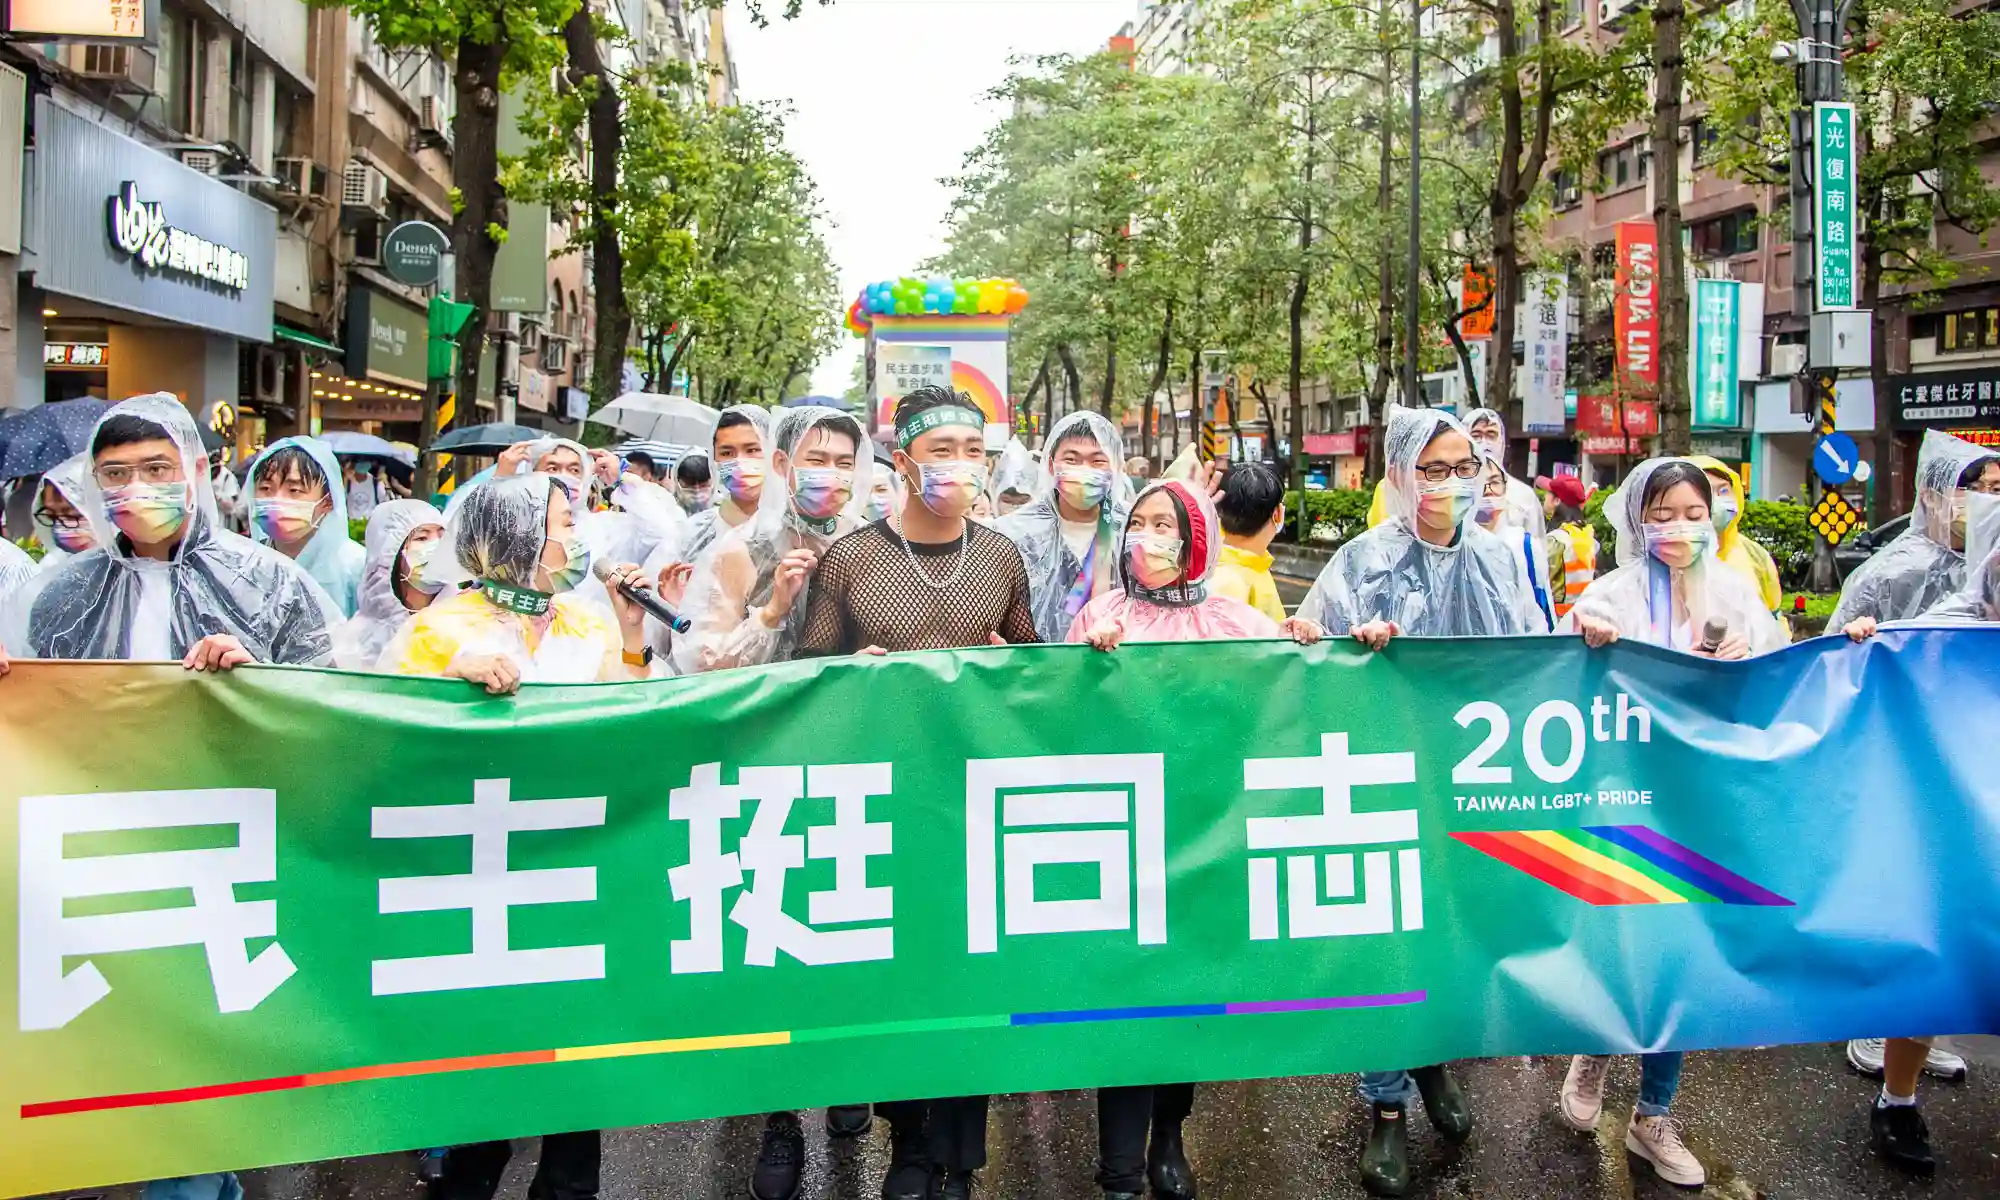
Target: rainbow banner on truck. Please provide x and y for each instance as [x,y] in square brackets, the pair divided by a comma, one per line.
[285,915]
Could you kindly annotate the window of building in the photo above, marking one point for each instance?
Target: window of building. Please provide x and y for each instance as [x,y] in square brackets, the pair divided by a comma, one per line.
[288,112]
[1726,235]
[1623,166]
[1568,188]
[175,73]
[1967,332]
[1707,143]
[242,71]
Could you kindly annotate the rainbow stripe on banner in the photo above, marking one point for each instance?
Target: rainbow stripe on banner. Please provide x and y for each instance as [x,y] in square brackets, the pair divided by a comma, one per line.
[736,1041]
[947,329]
[1620,864]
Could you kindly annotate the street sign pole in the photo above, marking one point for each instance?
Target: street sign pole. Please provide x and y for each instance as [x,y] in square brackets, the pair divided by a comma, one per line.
[446,320]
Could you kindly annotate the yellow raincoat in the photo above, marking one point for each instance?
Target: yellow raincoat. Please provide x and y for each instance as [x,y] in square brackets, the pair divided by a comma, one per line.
[1743,553]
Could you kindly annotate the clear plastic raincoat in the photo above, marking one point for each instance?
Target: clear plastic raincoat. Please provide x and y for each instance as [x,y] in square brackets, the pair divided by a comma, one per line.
[732,582]
[1017,471]
[1977,601]
[495,539]
[217,583]
[1476,587]
[1918,569]
[1059,583]
[1524,504]
[1740,551]
[1651,602]
[379,611]
[16,568]
[1185,611]
[66,477]
[331,556]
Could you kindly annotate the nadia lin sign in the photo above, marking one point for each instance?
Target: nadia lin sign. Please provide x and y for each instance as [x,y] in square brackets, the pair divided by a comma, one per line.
[139,229]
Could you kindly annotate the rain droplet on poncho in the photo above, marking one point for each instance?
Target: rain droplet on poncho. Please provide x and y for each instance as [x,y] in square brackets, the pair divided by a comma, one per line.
[1648,601]
[1054,570]
[331,555]
[732,583]
[1920,568]
[379,611]
[1187,611]
[1477,586]
[218,583]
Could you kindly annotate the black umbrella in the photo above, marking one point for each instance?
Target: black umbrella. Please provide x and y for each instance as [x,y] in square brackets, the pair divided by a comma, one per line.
[484,439]
[47,434]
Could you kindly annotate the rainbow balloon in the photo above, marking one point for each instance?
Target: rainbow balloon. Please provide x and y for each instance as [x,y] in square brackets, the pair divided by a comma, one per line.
[909,296]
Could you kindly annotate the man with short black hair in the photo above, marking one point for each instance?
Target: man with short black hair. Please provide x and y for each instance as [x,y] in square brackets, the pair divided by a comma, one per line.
[691,482]
[1068,540]
[1252,508]
[642,464]
[926,578]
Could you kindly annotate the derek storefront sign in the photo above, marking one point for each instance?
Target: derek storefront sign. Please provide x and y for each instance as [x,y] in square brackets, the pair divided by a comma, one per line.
[139,228]
[122,224]
[1834,215]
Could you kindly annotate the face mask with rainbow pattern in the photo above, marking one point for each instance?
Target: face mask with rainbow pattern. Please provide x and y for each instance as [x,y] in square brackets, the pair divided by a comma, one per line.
[740,477]
[148,513]
[819,493]
[74,539]
[576,564]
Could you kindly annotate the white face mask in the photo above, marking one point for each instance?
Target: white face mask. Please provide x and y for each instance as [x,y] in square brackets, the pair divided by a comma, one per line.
[1725,511]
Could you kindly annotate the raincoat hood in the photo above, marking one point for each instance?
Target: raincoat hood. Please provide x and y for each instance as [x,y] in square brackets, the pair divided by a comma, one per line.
[1909,575]
[218,582]
[1978,599]
[1183,612]
[379,611]
[1203,549]
[1736,549]
[331,555]
[66,478]
[1059,584]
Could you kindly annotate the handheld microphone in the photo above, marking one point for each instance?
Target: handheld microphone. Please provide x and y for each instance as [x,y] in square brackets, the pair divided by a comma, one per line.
[644,598]
[1712,635]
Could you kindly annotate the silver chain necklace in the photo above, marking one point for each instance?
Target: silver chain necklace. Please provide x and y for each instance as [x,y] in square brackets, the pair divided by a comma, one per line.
[936,585]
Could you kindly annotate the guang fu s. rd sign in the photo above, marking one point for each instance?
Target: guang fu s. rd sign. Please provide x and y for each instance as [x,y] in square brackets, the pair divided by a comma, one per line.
[139,229]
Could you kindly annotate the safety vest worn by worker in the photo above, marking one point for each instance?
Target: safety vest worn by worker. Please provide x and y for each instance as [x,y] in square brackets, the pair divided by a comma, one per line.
[1579,566]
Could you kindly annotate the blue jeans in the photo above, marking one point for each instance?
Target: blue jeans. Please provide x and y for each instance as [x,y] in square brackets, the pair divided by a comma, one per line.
[1659,1079]
[1390,1089]
[195,1187]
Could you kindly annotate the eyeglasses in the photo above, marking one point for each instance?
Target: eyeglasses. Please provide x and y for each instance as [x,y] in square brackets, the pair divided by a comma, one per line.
[1465,468]
[1985,487]
[159,470]
[72,521]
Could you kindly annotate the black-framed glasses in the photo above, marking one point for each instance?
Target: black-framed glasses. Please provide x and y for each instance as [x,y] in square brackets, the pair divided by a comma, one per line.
[72,521]
[1465,468]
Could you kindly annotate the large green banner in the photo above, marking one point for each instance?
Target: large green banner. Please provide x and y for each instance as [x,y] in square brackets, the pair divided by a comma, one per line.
[284,915]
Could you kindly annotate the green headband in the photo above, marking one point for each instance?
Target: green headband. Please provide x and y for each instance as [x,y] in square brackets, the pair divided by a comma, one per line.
[526,601]
[936,418]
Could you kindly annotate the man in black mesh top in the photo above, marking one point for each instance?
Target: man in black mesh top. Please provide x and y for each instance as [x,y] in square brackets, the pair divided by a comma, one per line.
[926,579]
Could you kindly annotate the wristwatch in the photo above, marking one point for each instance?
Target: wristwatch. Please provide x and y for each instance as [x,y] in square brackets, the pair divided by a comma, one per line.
[642,659]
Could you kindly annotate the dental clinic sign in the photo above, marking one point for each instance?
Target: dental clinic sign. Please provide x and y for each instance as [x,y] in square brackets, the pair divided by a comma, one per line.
[139,229]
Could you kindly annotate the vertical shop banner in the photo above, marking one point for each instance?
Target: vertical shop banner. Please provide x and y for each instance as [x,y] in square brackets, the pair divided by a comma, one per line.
[1636,315]
[1475,289]
[1834,218]
[902,368]
[1547,347]
[1713,359]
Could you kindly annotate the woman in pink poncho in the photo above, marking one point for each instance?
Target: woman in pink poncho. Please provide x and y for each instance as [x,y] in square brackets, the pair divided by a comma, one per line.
[1170,545]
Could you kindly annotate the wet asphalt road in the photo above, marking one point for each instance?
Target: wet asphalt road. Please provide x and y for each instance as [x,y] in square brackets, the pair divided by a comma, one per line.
[1783,1124]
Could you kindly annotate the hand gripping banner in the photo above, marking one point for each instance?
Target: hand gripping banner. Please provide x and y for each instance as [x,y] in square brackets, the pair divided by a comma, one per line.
[285,915]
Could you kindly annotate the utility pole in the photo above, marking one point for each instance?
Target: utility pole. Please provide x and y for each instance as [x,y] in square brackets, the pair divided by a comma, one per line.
[1826,299]
[1412,393]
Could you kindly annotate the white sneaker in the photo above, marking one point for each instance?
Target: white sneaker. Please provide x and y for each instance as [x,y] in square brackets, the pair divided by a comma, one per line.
[1582,1098]
[1658,1141]
[1865,1056]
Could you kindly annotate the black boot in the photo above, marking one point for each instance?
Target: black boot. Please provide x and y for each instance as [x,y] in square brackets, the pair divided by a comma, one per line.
[1385,1160]
[953,1185]
[1902,1138]
[1445,1103]
[781,1160]
[1167,1166]
[847,1120]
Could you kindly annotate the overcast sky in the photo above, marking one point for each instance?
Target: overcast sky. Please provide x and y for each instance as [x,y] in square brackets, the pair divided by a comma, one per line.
[890,95]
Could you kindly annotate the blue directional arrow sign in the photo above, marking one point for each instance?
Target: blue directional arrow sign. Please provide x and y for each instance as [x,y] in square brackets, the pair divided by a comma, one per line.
[1835,458]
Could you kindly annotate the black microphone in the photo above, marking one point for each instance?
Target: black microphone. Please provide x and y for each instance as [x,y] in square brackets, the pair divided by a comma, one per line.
[644,598]
[1712,635]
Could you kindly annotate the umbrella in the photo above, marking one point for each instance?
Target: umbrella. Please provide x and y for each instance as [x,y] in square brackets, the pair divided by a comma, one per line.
[484,439]
[660,418]
[348,444]
[667,454]
[47,434]
[833,402]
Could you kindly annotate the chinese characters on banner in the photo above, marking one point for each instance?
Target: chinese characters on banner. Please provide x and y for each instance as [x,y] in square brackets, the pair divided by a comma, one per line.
[1637,315]
[1547,348]
[1712,359]
[1476,290]
[1835,219]
[902,368]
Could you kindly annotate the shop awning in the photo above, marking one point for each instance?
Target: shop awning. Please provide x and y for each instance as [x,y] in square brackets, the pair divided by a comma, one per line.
[286,333]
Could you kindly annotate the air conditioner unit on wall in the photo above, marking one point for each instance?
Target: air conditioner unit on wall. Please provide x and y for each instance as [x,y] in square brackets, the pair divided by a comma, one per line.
[555,356]
[364,188]
[125,68]
[202,162]
[432,122]
[1787,358]
[1350,419]
[299,177]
